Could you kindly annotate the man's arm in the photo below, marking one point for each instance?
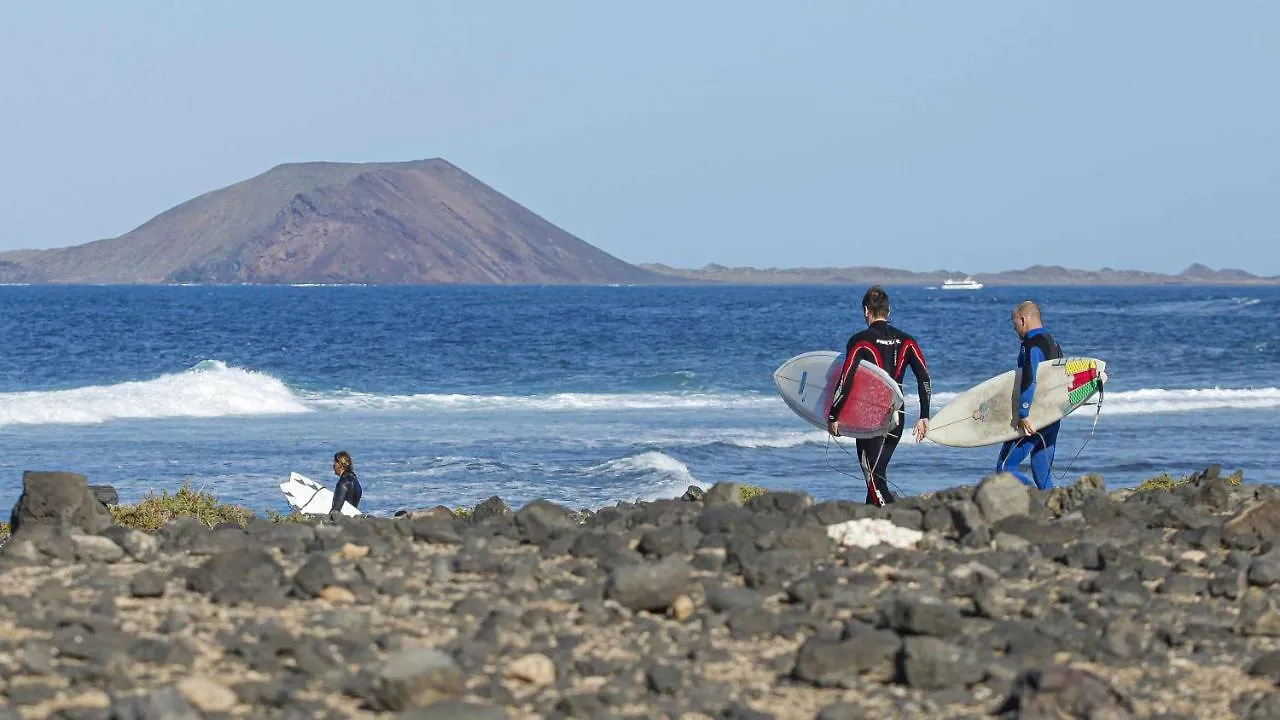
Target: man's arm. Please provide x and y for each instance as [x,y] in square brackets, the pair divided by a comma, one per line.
[1035,356]
[924,386]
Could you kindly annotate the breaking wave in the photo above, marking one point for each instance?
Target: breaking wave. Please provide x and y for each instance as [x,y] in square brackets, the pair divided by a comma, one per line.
[212,389]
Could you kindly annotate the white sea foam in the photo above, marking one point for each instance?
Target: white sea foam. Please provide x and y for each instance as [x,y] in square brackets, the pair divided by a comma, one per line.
[556,402]
[209,389]
[1156,400]
[1159,400]
[660,474]
[213,389]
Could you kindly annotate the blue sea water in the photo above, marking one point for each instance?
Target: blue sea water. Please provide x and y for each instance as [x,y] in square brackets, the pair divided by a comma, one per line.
[585,395]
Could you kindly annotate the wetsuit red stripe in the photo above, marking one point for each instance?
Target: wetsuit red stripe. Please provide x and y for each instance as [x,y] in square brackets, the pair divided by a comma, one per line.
[901,369]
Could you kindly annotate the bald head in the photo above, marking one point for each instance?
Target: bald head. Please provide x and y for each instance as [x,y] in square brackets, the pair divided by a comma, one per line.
[1028,310]
[1026,317]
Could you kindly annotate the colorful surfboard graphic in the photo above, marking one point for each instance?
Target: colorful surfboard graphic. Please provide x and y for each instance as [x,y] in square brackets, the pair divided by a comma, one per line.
[1084,381]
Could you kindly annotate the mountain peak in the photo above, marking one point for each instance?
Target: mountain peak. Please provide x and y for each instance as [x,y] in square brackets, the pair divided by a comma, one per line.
[418,221]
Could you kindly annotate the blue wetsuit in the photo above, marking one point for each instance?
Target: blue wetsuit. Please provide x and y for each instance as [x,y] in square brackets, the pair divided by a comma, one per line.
[1037,347]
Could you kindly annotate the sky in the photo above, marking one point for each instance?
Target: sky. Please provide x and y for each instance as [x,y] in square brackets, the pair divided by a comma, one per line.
[976,136]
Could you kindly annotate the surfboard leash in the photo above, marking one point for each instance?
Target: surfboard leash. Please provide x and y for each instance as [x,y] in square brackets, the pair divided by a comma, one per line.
[1092,431]
[893,487]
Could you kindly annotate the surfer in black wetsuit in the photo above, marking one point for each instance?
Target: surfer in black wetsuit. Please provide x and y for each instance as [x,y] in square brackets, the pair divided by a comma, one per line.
[893,351]
[348,487]
[1037,346]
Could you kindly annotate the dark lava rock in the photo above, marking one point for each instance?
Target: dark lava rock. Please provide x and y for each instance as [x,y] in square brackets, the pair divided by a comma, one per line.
[1266,707]
[664,679]
[585,707]
[862,654]
[180,533]
[787,503]
[722,519]
[669,540]
[435,530]
[251,577]
[1066,692]
[926,616]
[416,677]
[650,587]
[1181,584]
[57,499]
[163,704]
[493,508]
[693,494]
[723,493]
[811,539]
[748,623]
[455,710]
[1124,638]
[105,494]
[138,545]
[607,550]
[736,711]
[773,569]
[1261,519]
[843,711]
[1267,666]
[931,664]
[1083,555]
[1259,613]
[163,652]
[1000,496]
[1063,500]
[147,584]
[1035,531]
[314,576]
[1264,571]
[32,693]
[724,598]
[541,520]
[1206,489]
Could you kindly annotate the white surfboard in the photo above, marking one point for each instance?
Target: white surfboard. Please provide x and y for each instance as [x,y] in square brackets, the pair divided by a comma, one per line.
[986,413]
[310,497]
[807,383]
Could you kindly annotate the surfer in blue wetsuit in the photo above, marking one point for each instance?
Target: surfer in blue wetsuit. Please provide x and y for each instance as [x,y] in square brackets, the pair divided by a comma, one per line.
[1038,345]
[893,351]
[348,487]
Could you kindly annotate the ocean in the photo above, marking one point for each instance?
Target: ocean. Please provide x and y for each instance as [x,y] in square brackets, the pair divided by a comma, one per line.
[585,395]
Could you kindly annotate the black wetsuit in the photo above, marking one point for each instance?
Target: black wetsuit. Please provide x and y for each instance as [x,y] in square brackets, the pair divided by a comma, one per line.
[347,490]
[893,351]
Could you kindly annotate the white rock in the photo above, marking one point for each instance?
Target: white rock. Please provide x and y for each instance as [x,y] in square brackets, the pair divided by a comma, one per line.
[535,669]
[95,548]
[207,695]
[870,532]
[140,546]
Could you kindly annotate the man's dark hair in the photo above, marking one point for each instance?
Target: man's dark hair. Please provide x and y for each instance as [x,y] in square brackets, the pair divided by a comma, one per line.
[876,301]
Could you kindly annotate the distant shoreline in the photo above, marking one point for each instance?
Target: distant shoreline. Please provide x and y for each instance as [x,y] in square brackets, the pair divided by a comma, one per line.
[682,283]
[1037,275]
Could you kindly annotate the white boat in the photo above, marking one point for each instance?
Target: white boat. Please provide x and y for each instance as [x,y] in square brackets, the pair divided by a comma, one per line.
[966,284]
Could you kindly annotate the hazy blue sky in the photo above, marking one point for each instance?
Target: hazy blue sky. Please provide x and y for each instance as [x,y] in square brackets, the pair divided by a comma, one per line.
[972,136]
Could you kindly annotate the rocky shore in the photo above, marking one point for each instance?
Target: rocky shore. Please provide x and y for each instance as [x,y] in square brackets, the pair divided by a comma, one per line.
[986,601]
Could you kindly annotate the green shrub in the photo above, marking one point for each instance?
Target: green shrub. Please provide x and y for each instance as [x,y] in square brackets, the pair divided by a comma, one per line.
[293,517]
[4,530]
[156,510]
[749,492]
[1165,481]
